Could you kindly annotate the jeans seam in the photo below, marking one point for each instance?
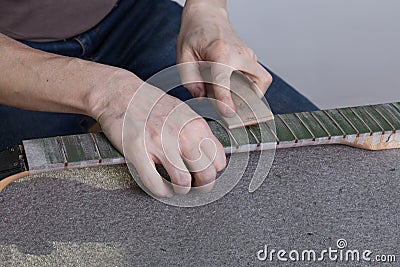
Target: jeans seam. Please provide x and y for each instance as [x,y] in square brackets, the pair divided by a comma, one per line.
[82,46]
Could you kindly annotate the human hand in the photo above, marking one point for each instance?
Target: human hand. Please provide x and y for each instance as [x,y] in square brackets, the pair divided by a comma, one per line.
[160,129]
[206,35]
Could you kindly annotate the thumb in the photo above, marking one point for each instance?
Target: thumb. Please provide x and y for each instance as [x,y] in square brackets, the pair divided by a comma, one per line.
[190,76]
[221,76]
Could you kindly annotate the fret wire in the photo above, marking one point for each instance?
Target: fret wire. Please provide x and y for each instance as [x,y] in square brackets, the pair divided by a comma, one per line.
[255,137]
[393,105]
[380,113]
[287,126]
[349,121]
[233,138]
[337,125]
[392,114]
[305,125]
[369,115]
[96,146]
[61,144]
[321,124]
[361,119]
[274,133]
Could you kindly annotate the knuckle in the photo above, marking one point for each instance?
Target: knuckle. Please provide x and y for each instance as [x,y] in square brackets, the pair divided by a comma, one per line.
[255,57]
[153,134]
[251,52]
[267,80]
[183,180]
[207,176]
[220,163]
[219,44]
[221,81]
[199,125]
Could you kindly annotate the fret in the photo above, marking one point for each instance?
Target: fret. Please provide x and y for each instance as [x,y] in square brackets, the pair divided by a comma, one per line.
[233,140]
[341,122]
[243,136]
[313,125]
[334,122]
[348,121]
[298,129]
[305,125]
[265,132]
[63,152]
[80,148]
[269,132]
[384,122]
[388,116]
[96,146]
[368,120]
[221,133]
[328,123]
[43,154]
[356,120]
[283,130]
[107,151]
[315,116]
[379,123]
[254,135]
[396,106]
[394,113]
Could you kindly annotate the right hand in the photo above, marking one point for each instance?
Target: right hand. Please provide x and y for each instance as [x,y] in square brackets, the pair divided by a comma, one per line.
[166,132]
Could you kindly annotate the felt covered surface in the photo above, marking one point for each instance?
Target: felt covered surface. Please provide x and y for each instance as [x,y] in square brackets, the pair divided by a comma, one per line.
[312,197]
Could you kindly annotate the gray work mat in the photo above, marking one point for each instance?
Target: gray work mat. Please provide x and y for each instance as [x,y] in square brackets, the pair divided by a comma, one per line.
[312,197]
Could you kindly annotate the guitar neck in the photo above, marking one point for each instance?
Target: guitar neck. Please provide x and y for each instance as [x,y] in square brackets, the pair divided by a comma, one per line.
[369,127]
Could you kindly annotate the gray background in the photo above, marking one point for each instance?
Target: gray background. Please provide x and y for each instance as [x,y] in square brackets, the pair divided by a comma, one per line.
[337,52]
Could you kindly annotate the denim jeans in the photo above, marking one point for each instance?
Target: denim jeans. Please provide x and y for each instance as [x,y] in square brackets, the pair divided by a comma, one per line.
[140,36]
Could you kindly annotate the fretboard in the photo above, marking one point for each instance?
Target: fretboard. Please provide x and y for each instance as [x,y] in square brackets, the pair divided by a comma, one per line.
[369,127]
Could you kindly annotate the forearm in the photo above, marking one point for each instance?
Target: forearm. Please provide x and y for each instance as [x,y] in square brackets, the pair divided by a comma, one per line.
[36,80]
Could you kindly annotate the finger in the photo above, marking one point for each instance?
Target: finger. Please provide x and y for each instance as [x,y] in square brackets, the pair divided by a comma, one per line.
[200,164]
[149,176]
[259,75]
[191,77]
[204,181]
[181,178]
[220,75]
[219,159]
[214,151]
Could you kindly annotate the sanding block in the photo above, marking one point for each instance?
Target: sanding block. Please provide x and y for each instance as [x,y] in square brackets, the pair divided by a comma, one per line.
[250,108]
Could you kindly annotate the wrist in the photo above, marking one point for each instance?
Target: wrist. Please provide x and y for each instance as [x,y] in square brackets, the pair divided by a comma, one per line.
[193,7]
[112,96]
[209,3]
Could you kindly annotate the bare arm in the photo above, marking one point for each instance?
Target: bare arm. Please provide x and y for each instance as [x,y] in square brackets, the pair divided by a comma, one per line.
[36,80]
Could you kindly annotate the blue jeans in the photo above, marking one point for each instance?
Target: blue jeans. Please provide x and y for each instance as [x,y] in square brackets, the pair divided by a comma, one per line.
[140,36]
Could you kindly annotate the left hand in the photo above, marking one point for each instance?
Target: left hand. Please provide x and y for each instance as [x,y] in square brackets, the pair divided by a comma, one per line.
[206,35]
